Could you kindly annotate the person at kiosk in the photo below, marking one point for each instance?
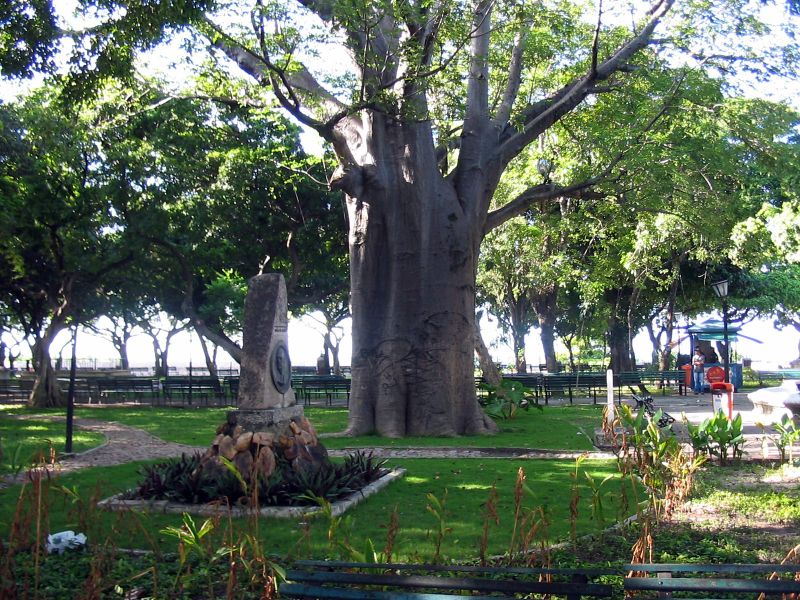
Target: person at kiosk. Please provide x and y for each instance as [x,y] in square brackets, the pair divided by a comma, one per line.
[698,369]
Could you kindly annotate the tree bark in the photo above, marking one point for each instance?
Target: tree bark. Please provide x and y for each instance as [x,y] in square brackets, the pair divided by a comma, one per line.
[46,392]
[490,373]
[413,258]
[210,364]
[618,332]
[546,311]
[520,365]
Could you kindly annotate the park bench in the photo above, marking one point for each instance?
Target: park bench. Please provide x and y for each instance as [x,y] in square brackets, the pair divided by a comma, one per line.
[322,387]
[662,379]
[779,375]
[126,388]
[739,580]
[325,580]
[185,388]
[569,384]
[17,390]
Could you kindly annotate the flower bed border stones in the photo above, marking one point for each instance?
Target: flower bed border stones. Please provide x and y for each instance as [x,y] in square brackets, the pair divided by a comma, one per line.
[116,503]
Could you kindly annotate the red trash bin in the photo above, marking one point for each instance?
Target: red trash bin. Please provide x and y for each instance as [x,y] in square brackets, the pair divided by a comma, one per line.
[687,375]
[717,388]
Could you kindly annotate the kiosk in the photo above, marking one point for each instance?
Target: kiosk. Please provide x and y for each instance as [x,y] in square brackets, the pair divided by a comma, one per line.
[711,331]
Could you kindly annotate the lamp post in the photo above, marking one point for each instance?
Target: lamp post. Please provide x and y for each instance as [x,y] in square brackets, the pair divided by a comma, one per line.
[721,290]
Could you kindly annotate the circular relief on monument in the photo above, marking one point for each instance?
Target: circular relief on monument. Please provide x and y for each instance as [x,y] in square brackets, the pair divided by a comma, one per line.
[281,368]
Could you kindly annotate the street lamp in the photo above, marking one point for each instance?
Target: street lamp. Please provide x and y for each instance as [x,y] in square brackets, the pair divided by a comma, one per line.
[721,290]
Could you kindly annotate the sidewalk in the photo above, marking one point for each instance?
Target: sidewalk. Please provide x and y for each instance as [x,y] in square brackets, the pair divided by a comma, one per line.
[698,408]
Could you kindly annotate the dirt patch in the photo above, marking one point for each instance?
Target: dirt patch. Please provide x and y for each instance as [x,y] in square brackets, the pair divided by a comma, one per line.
[765,532]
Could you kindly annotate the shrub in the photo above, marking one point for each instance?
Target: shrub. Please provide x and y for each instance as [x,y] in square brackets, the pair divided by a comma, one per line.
[182,480]
[718,436]
[503,401]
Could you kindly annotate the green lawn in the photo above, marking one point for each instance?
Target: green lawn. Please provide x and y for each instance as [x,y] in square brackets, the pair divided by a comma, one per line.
[467,481]
[26,441]
[557,427]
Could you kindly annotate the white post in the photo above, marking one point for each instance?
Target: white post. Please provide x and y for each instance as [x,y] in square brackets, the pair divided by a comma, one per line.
[610,388]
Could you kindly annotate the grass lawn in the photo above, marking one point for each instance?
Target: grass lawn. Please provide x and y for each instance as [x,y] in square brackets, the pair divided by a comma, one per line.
[26,441]
[556,427]
[467,484]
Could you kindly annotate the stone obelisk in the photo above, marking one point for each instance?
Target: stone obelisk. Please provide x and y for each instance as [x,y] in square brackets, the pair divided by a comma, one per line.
[266,396]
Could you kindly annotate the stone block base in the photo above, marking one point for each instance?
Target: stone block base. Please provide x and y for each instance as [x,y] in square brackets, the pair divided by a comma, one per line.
[605,442]
[267,419]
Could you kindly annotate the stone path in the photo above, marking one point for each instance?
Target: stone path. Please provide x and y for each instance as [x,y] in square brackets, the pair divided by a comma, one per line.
[123,444]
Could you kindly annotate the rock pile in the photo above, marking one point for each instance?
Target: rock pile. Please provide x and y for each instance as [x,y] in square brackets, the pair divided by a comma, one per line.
[255,454]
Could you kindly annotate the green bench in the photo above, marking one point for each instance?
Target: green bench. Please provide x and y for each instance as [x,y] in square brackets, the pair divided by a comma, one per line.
[126,388]
[183,388]
[568,384]
[322,387]
[739,580]
[328,580]
[780,375]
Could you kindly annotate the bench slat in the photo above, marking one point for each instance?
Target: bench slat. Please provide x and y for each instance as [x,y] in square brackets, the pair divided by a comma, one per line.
[721,568]
[330,564]
[699,584]
[297,590]
[451,583]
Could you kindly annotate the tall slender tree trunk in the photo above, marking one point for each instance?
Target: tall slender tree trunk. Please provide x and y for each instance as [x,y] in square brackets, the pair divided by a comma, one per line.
[121,346]
[490,372]
[413,260]
[158,364]
[46,391]
[618,330]
[546,311]
[521,364]
[210,364]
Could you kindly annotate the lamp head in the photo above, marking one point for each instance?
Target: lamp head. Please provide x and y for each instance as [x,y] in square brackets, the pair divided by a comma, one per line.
[721,288]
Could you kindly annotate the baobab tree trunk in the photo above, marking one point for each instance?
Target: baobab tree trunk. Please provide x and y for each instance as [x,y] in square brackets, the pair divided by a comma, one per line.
[413,256]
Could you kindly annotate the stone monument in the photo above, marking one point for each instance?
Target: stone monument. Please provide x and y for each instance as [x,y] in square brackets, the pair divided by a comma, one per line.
[268,422]
[265,374]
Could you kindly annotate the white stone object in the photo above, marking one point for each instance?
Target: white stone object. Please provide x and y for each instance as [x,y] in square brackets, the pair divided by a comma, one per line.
[773,402]
[58,542]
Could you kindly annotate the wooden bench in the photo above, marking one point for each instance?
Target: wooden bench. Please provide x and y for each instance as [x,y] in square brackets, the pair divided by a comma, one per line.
[126,387]
[375,581]
[712,579]
[568,384]
[188,388]
[662,379]
[325,387]
[779,375]
[16,390]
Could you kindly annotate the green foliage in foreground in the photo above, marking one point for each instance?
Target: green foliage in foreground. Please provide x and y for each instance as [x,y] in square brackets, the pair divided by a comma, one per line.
[554,428]
[200,569]
[24,442]
[467,484]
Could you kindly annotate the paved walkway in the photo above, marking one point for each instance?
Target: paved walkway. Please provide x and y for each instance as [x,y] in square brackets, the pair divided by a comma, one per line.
[123,444]
[127,444]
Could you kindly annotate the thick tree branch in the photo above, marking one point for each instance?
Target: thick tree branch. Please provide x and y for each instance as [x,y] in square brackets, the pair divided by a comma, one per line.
[581,190]
[283,84]
[514,79]
[539,193]
[544,114]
